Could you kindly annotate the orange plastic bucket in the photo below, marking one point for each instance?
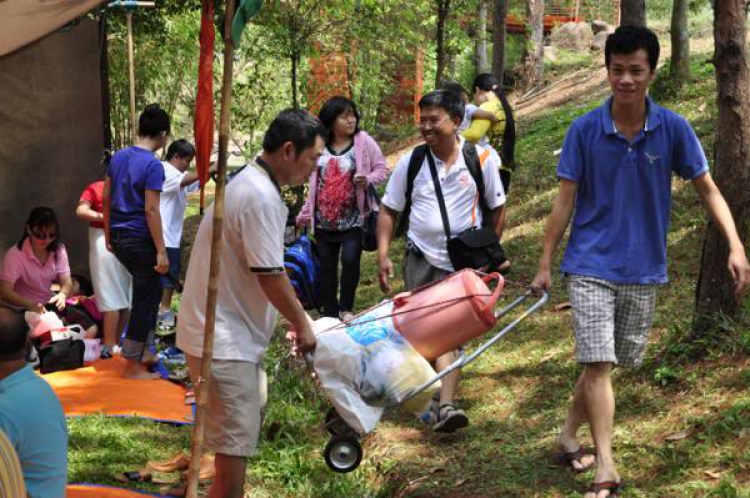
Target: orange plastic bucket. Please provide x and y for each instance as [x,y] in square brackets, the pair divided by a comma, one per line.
[441,317]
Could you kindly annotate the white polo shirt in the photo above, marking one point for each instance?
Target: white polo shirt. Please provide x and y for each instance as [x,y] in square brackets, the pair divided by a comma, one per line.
[172,203]
[461,201]
[253,238]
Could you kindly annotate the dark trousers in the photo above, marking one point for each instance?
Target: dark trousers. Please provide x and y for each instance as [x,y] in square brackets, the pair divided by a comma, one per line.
[138,256]
[330,244]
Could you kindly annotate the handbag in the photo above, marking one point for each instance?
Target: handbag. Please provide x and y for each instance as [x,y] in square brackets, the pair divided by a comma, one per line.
[476,248]
[66,354]
[370,226]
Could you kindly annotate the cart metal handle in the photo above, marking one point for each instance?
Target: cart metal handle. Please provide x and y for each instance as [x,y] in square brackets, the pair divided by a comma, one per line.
[464,360]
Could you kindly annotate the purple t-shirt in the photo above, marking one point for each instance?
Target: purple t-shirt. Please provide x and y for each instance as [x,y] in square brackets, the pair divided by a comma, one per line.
[132,171]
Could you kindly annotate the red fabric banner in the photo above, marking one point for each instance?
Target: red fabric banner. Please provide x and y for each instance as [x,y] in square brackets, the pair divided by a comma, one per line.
[204,100]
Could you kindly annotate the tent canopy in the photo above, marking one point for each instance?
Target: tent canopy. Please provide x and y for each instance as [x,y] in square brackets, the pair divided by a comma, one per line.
[25,21]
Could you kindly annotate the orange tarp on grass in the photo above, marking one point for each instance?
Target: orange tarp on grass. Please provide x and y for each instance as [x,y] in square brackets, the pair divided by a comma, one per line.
[100,388]
[91,491]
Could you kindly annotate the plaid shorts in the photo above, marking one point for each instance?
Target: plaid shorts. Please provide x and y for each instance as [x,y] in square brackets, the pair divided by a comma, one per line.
[611,321]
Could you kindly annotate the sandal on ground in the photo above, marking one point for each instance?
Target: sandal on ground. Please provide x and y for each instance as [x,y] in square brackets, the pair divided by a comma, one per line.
[450,419]
[174,464]
[206,469]
[143,475]
[614,488]
[566,459]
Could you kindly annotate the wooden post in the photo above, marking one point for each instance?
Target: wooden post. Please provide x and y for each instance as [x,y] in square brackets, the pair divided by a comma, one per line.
[578,10]
[131,74]
[204,382]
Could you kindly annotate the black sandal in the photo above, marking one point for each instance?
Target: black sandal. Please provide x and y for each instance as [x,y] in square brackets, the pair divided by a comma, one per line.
[614,488]
[566,459]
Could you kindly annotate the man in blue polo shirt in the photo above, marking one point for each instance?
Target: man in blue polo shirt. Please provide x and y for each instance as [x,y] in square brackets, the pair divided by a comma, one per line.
[615,171]
[30,413]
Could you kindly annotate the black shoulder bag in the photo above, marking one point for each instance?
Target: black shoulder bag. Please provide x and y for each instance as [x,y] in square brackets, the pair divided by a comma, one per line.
[477,248]
[370,227]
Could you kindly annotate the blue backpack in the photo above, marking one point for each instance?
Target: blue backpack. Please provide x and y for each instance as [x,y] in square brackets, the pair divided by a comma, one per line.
[303,267]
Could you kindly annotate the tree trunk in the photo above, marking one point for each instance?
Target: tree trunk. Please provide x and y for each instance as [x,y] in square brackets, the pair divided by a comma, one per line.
[633,12]
[715,293]
[481,64]
[295,63]
[680,64]
[498,39]
[443,7]
[533,61]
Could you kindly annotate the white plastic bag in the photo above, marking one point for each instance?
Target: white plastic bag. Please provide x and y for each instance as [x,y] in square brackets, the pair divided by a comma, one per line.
[337,363]
[392,368]
[367,366]
[93,350]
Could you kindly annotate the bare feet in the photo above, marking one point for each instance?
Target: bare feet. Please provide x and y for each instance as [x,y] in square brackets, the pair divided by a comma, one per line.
[573,454]
[137,371]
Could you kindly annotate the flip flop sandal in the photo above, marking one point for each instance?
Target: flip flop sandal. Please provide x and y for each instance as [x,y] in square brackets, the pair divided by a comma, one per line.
[206,471]
[177,463]
[189,397]
[566,459]
[143,475]
[614,488]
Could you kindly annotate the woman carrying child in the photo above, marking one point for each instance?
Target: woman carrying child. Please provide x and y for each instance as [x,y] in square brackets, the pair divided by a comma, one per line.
[498,135]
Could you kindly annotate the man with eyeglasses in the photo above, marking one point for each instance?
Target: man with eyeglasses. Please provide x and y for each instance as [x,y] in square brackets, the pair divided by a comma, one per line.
[426,258]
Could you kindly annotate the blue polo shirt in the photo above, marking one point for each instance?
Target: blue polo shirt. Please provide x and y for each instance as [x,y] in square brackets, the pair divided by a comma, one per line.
[623,200]
[33,420]
[132,171]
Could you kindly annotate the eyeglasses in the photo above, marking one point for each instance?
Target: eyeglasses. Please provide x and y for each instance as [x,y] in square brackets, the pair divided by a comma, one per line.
[43,236]
[432,123]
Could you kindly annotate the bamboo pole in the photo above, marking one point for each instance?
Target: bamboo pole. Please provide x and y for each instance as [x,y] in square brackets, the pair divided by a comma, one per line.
[204,382]
[131,75]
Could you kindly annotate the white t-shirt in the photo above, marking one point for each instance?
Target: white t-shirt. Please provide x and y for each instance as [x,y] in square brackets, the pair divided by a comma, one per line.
[469,111]
[461,201]
[253,243]
[172,203]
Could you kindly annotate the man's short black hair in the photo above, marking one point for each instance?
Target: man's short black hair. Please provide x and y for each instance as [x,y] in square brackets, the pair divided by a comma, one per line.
[153,121]
[180,148]
[449,101]
[293,125]
[455,87]
[13,334]
[627,39]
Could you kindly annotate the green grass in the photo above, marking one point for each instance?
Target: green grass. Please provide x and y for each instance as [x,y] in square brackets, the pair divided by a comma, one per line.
[516,395]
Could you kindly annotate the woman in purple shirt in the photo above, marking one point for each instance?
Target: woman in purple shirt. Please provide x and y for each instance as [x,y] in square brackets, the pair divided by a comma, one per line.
[133,232]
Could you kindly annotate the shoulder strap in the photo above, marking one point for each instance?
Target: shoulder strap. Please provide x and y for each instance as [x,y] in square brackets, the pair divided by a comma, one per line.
[415,164]
[439,195]
[475,169]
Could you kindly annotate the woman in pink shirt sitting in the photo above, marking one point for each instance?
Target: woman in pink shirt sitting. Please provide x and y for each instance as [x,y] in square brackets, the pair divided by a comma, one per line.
[34,263]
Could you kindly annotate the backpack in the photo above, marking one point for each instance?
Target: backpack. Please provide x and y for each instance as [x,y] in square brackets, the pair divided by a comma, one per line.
[471,158]
[303,267]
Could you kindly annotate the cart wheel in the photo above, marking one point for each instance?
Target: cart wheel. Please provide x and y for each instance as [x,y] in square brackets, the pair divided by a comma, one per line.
[343,453]
[335,424]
